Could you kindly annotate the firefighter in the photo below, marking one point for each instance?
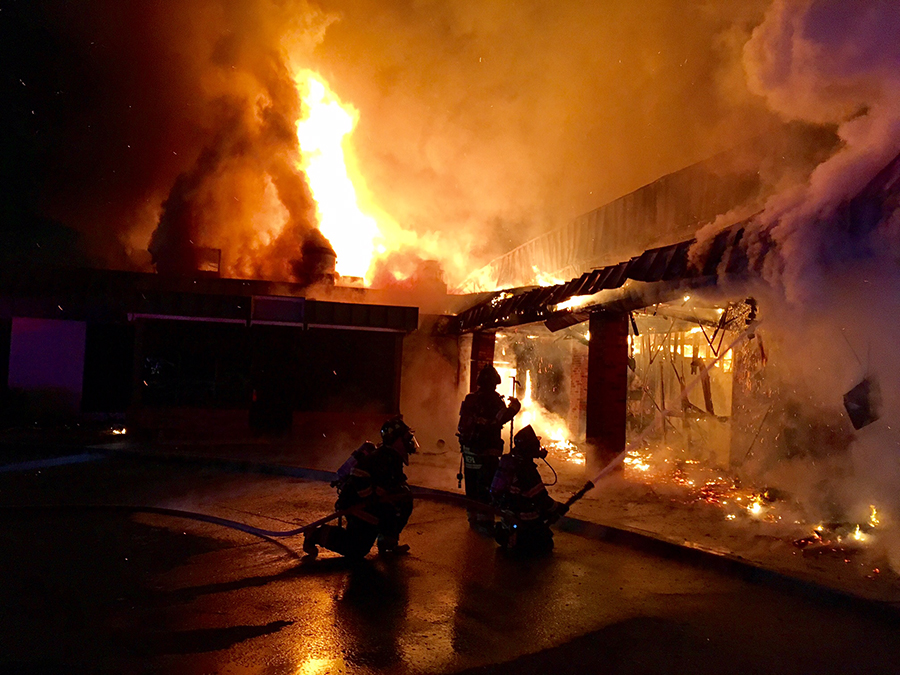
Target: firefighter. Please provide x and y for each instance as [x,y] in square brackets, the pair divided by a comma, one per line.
[481,418]
[372,481]
[527,509]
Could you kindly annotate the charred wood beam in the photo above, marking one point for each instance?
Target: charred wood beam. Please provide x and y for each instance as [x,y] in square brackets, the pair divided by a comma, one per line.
[628,298]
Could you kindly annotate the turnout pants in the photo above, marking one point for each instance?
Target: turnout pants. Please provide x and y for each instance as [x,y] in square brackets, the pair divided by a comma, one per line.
[381,522]
[479,473]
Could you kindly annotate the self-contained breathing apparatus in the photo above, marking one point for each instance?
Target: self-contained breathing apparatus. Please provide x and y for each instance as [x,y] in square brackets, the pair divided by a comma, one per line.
[392,430]
[519,492]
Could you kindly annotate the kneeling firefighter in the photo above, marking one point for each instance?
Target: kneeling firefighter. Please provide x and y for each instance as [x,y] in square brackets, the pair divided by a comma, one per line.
[371,483]
[527,509]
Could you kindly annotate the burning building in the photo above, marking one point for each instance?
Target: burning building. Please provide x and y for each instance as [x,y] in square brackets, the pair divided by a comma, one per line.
[200,151]
[668,362]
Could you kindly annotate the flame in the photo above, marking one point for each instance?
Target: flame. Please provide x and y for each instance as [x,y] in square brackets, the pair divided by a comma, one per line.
[755,507]
[354,235]
[573,302]
[873,516]
[699,483]
[636,462]
[553,431]
[544,279]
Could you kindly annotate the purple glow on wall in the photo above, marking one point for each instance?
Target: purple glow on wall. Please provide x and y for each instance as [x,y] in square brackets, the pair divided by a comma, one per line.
[48,355]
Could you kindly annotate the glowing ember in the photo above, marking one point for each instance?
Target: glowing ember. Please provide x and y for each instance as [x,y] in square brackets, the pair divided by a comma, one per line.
[353,234]
[693,482]
[755,507]
[636,462]
[566,450]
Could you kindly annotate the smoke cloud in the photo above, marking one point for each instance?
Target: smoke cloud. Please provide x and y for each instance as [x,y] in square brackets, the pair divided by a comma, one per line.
[830,285]
[828,64]
[480,125]
[168,129]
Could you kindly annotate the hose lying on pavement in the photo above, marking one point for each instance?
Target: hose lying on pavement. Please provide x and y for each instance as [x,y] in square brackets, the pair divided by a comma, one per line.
[427,495]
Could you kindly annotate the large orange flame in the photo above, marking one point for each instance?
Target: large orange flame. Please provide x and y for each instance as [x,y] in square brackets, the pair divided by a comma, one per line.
[327,124]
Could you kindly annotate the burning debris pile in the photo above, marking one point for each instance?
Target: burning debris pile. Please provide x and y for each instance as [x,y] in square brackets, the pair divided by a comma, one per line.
[689,482]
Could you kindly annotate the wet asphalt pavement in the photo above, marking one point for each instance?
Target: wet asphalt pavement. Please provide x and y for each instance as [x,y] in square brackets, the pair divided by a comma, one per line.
[95,591]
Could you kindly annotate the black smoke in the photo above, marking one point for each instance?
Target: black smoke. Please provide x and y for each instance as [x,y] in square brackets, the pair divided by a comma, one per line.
[139,126]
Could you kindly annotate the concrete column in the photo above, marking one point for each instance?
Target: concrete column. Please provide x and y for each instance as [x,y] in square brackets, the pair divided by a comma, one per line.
[482,355]
[577,390]
[607,388]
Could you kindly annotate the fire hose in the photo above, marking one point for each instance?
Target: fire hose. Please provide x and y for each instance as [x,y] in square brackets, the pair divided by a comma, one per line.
[243,527]
[417,493]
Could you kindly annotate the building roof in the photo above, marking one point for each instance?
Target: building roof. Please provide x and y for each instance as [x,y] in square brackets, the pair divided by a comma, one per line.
[669,270]
[667,211]
[108,296]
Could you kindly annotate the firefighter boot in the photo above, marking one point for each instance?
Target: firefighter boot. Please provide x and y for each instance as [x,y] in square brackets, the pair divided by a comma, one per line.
[311,539]
[390,546]
[503,534]
[482,522]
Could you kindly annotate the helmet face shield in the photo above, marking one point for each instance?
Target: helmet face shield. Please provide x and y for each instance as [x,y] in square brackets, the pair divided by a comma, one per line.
[410,442]
[395,429]
[409,446]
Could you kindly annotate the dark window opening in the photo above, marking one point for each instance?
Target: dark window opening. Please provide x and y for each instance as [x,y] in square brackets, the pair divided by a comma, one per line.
[108,368]
[194,363]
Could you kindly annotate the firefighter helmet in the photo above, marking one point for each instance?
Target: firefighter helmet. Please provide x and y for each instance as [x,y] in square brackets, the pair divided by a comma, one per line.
[394,429]
[488,377]
[528,444]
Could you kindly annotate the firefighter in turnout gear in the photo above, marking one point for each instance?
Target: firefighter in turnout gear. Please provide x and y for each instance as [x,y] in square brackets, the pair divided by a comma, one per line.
[519,494]
[481,418]
[372,484]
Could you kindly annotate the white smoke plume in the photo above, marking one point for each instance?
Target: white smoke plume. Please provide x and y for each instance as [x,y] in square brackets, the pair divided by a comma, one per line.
[830,288]
[827,63]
